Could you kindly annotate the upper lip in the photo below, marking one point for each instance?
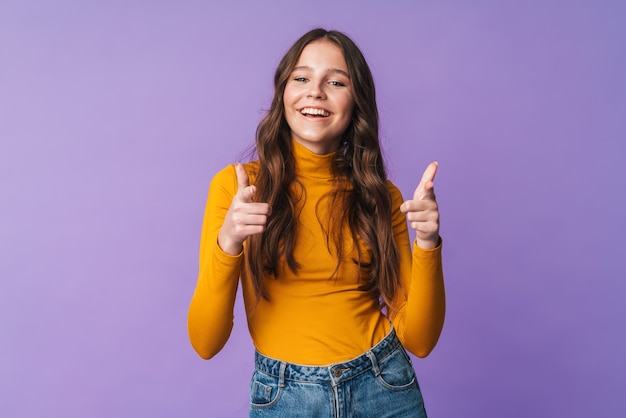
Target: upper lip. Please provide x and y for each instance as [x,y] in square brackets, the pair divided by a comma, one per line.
[326,111]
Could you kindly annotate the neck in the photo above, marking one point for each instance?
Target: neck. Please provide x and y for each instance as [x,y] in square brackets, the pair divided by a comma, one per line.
[310,164]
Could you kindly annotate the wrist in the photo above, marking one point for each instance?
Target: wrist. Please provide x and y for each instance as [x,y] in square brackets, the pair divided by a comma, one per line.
[428,244]
[230,247]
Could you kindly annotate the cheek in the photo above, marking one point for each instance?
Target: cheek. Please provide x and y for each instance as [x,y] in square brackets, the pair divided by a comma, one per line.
[348,103]
[349,108]
[347,120]
[289,95]
[288,105]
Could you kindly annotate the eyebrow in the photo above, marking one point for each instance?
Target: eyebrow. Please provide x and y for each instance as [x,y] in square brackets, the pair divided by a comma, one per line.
[330,70]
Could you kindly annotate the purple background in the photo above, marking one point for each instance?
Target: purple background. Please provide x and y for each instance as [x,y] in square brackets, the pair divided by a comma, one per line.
[115,115]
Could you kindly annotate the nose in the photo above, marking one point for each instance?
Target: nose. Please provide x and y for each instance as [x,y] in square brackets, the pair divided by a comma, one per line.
[316,90]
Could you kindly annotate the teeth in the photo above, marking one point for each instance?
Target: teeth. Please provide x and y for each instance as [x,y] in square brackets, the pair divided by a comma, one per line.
[314,111]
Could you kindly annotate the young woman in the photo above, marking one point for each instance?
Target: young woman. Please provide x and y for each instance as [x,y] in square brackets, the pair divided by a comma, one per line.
[318,236]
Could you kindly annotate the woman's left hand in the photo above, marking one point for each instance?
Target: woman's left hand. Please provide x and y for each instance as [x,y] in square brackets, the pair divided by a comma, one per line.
[423,212]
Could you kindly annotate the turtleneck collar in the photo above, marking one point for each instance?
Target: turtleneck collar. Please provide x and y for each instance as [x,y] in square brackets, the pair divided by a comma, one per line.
[309,164]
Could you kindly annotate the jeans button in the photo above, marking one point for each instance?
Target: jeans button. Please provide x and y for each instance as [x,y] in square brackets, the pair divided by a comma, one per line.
[337,372]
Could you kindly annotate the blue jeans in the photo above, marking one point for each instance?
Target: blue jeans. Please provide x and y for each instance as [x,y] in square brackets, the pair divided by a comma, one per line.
[379,383]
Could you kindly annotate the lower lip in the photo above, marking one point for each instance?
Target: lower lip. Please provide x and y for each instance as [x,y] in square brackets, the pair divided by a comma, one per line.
[317,118]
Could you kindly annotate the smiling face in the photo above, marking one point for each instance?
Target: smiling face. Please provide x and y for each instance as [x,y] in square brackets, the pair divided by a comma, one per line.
[318,97]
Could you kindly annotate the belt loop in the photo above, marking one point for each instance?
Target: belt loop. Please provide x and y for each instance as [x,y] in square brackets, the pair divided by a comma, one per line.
[281,374]
[372,357]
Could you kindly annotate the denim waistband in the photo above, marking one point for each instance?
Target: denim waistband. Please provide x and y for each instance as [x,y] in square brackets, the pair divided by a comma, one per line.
[334,373]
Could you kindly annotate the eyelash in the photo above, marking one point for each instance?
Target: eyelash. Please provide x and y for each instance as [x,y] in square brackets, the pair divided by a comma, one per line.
[333,82]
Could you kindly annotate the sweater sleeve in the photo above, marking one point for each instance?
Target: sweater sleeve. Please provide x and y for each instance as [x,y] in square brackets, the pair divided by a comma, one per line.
[419,306]
[210,316]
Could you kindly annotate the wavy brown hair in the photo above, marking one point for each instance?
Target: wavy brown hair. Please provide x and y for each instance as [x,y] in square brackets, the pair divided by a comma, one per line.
[360,198]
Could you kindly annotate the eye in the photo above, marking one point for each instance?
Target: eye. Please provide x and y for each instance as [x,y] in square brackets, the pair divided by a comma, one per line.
[300,79]
[337,83]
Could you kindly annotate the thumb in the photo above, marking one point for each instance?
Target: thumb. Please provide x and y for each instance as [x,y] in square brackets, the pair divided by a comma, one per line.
[243,183]
[425,188]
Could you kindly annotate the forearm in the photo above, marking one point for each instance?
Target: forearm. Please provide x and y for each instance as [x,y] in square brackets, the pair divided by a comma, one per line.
[421,305]
[426,302]
[210,317]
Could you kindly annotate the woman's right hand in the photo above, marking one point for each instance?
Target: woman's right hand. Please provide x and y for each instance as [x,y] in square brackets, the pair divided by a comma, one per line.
[245,217]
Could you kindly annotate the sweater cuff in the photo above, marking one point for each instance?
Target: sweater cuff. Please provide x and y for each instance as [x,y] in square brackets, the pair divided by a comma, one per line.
[225,257]
[224,268]
[422,253]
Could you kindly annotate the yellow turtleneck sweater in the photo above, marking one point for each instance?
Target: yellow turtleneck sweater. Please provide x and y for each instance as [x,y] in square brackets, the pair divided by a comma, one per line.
[312,318]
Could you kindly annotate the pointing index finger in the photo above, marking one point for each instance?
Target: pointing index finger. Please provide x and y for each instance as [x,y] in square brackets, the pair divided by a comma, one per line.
[242,176]
[244,190]
[425,186]
[429,173]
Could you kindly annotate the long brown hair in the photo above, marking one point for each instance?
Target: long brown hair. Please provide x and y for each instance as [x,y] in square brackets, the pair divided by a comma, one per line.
[360,198]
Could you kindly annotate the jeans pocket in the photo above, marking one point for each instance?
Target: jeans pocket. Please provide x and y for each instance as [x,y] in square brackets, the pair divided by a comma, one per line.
[396,371]
[264,390]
